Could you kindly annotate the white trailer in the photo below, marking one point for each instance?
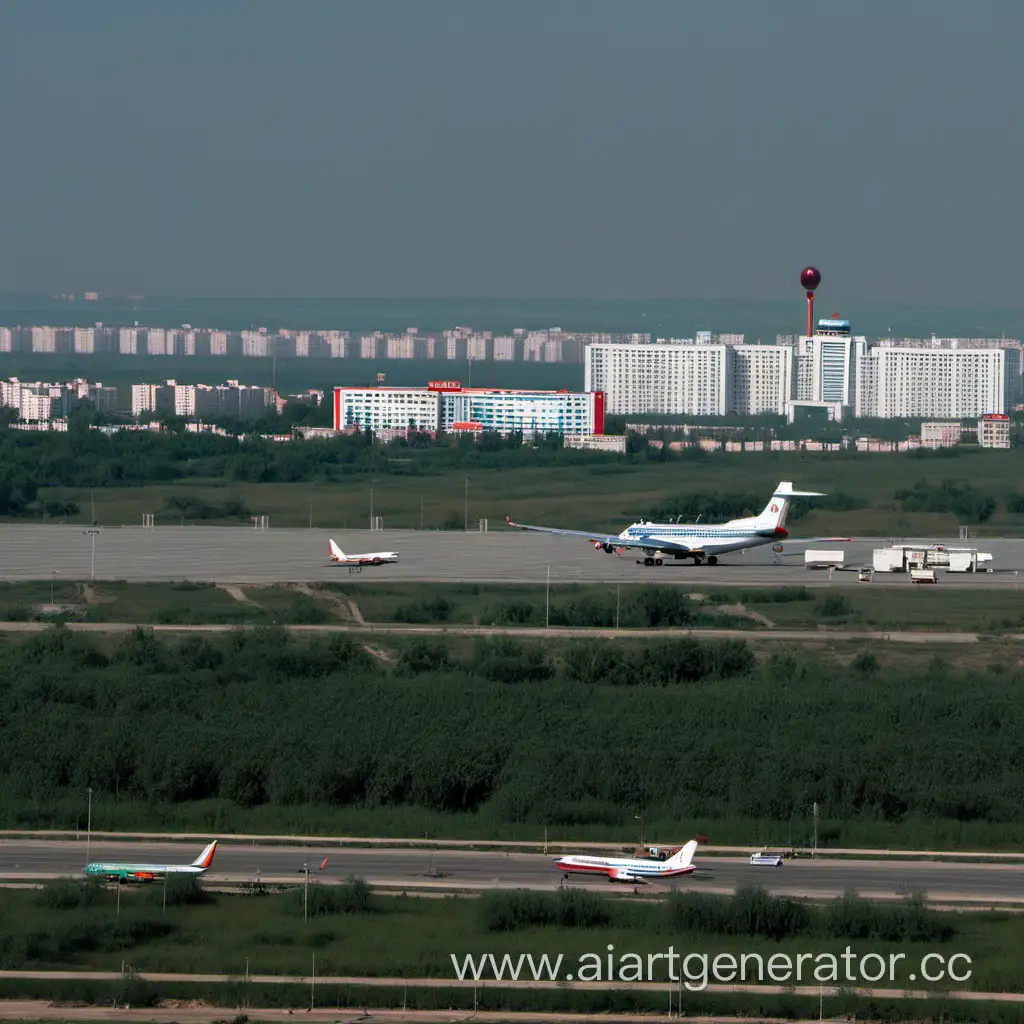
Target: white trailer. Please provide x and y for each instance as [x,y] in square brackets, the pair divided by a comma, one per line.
[824,559]
[923,576]
[889,560]
[969,561]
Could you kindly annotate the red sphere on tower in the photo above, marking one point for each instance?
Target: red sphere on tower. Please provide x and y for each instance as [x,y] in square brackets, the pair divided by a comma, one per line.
[810,278]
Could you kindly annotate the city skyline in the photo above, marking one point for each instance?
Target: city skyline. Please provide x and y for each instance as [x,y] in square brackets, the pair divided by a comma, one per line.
[590,149]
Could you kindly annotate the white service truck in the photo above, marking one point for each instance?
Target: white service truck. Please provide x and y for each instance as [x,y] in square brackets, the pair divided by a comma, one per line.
[824,559]
[923,576]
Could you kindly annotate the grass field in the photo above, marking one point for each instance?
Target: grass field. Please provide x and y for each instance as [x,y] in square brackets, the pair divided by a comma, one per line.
[601,496]
[402,936]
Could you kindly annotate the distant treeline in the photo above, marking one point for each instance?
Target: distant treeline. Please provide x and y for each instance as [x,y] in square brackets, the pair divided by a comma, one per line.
[568,734]
[82,457]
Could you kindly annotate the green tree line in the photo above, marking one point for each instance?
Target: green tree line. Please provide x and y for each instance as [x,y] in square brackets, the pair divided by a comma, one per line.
[567,734]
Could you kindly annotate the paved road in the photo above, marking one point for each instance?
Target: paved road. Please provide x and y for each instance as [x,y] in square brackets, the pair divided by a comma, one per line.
[564,983]
[790,635]
[485,870]
[242,555]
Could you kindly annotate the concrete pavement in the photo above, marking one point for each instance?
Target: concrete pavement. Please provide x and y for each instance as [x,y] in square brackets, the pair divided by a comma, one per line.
[480,870]
[244,555]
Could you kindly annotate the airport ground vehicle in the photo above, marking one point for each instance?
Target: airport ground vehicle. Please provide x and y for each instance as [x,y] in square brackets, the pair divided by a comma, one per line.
[766,859]
[815,558]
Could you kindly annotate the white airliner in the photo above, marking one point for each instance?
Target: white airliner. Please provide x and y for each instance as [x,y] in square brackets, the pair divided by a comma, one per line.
[630,871]
[149,872]
[372,558]
[703,542]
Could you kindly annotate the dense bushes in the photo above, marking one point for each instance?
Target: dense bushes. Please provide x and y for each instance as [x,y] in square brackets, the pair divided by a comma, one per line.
[756,913]
[353,896]
[949,496]
[678,728]
[87,458]
[509,910]
[751,912]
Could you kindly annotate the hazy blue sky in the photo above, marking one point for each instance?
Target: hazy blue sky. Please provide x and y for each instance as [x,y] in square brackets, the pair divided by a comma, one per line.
[522,147]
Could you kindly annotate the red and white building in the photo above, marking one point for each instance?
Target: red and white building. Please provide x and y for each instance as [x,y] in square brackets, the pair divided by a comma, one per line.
[994,431]
[446,405]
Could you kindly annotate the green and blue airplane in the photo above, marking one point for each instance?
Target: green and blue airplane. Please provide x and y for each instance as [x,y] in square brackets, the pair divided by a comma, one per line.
[151,872]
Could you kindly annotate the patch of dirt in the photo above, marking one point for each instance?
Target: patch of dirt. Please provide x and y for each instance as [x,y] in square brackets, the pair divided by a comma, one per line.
[386,656]
[746,613]
[348,610]
[236,592]
[92,596]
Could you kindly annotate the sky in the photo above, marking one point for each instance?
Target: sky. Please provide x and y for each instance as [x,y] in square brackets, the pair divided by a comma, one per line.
[544,148]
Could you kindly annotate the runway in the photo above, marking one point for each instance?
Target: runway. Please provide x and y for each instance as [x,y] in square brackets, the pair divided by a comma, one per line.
[245,555]
[472,870]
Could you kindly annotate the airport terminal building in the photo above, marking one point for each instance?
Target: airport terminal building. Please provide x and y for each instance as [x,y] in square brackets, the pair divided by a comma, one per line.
[447,406]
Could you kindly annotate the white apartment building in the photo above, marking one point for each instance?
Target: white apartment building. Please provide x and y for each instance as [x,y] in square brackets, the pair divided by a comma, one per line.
[255,343]
[84,341]
[44,339]
[218,343]
[504,349]
[533,413]
[662,378]
[941,383]
[199,400]
[6,339]
[368,345]
[380,409]
[827,368]
[128,340]
[761,378]
[156,341]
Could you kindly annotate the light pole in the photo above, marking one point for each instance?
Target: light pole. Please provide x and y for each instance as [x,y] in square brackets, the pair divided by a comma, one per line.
[618,593]
[371,508]
[92,536]
[465,508]
[54,573]
[88,829]
[640,818]
[547,600]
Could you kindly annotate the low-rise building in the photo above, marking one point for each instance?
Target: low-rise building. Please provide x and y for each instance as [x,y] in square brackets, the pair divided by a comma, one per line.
[994,431]
[446,405]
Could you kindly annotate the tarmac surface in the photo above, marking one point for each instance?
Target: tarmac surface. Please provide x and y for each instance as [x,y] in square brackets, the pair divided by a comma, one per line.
[479,870]
[244,555]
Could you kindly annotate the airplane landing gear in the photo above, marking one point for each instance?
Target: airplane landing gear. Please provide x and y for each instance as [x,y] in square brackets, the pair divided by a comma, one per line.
[712,560]
[649,561]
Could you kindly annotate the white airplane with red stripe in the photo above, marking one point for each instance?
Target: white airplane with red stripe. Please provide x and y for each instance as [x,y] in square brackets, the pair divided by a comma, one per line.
[631,871]
[371,558]
[703,542]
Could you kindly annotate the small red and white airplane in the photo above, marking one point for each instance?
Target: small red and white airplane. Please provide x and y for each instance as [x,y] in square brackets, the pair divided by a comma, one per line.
[372,558]
[629,870]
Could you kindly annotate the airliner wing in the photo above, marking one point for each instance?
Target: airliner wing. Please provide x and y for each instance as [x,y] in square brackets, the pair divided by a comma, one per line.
[611,540]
